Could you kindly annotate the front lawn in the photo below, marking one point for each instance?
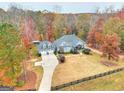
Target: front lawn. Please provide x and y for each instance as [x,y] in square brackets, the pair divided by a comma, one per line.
[112,82]
[80,66]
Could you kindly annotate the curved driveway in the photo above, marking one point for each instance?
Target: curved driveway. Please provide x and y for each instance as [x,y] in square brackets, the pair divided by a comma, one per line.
[49,63]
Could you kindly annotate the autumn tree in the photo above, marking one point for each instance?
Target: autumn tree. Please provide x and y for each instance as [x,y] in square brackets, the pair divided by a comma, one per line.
[110,46]
[28,32]
[122,41]
[59,26]
[112,25]
[115,25]
[49,26]
[49,33]
[11,55]
[82,23]
[95,36]
[120,14]
[39,23]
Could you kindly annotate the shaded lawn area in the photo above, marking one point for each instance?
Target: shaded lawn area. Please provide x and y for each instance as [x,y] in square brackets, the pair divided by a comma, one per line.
[111,82]
[39,72]
[34,79]
[80,66]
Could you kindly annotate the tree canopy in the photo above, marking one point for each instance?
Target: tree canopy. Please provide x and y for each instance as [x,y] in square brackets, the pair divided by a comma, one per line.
[11,55]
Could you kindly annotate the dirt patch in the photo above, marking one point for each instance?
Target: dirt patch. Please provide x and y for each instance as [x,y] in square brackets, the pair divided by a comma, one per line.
[108,63]
[30,81]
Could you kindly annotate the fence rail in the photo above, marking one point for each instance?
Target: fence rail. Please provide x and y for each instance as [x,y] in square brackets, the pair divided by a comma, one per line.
[86,79]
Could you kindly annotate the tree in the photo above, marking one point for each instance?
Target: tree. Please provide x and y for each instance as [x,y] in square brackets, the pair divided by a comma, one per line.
[120,14]
[91,38]
[59,26]
[49,26]
[28,32]
[49,33]
[122,41]
[112,25]
[110,46]
[115,25]
[39,20]
[11,55]
[83,25]
[95,36]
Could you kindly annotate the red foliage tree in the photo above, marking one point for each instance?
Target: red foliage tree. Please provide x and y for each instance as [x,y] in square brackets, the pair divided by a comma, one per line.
[120,14]
[95,36]
[49,30]
[91,38]
[28,32]
[110,46]
[49,33]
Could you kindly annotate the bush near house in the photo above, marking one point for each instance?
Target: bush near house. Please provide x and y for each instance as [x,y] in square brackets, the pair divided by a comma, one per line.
[61,58]
[86,51]
[74,51]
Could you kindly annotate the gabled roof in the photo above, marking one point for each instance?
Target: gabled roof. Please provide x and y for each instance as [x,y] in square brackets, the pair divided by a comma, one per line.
[45,45]
[69,39]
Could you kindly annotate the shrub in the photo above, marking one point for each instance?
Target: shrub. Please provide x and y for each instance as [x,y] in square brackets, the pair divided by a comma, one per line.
[61,58]
[74,51]
[20,83]
[86,51]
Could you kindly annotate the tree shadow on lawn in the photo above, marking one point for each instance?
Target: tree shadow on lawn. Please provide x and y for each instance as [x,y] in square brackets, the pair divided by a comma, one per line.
[30,81]
[108,63]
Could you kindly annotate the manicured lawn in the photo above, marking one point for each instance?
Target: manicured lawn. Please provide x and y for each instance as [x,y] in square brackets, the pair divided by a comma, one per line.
[80,66]
[111,82]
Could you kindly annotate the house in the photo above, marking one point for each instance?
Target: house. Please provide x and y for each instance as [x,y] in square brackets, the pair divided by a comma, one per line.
[45,47]
[68,42]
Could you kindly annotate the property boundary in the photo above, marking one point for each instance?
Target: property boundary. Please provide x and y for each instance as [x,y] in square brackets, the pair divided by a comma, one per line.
[87,79]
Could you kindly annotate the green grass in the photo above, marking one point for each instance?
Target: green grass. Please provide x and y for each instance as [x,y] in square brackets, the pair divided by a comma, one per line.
[111,82]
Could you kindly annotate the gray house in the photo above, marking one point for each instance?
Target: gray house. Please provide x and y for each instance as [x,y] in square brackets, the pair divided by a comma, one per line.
[67,42]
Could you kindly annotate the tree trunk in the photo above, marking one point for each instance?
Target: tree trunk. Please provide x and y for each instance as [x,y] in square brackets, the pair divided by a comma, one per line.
[109,56]
[25,71]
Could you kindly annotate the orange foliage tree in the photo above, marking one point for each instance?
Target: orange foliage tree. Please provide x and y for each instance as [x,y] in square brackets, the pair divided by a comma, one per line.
[50,33]
[110,46]
[95,36]
[49,28]
[28,32]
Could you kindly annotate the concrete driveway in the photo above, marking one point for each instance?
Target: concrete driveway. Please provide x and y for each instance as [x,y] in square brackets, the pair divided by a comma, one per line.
[49,63]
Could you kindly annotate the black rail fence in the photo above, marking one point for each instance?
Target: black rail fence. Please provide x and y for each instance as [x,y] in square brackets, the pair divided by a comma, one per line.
[87,79]
[29,90]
